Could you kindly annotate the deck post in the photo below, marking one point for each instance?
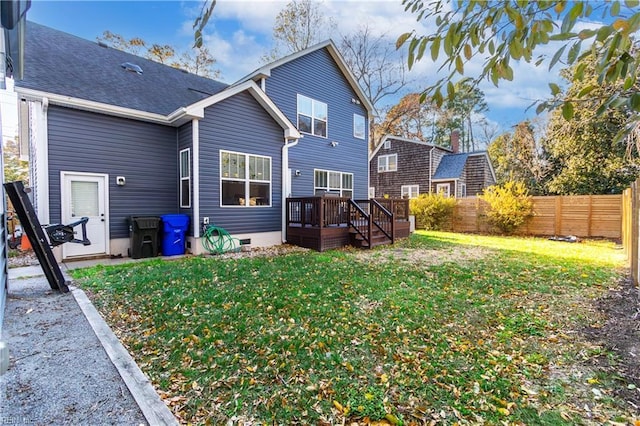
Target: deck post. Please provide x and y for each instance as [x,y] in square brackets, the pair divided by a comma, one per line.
[393,226]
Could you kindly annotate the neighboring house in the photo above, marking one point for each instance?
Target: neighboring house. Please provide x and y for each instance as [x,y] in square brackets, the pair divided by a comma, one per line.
[401,167]
[114,135]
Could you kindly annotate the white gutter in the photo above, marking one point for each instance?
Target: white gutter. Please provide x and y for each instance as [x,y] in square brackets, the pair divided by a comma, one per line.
[93,106]
[286,177]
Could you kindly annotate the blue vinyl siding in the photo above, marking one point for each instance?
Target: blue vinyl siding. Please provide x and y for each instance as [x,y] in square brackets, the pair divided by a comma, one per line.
[239,124]
[144,153]
[317,76]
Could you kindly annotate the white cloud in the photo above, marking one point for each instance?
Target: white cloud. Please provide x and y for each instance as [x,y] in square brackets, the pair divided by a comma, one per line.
[236,55]
[256,16]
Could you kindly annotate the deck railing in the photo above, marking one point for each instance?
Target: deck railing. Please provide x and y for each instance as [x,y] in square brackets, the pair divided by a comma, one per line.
[324,211]
[398,206]
[380,217]
[360,221]
[317,211]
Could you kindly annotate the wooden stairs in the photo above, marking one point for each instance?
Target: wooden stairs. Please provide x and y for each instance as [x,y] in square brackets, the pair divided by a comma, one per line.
[370,224]
[378,238]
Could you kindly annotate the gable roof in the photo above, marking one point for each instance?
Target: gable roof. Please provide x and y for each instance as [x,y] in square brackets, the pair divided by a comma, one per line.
[63,64]
[451,166]
[265,71]
[197,109]
[401,139]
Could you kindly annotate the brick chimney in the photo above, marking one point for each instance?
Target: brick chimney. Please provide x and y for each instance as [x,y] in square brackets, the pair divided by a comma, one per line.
[455,141]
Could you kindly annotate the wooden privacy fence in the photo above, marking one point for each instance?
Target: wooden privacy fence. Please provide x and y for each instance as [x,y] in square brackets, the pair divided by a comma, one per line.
[580,215]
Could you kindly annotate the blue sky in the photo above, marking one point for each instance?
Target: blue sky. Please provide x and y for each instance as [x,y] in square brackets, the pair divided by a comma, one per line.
[239,34]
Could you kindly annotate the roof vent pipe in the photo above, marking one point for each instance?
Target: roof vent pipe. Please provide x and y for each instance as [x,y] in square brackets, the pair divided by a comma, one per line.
[128,66]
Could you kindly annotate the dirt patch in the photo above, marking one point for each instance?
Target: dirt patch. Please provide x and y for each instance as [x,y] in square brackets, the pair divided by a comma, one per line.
[279,250]
[19,258]
[425,257]
[620,334]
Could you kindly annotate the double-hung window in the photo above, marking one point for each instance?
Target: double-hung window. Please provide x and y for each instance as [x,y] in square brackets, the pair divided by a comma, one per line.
[388,163]
[245,179]
[443,189]
[327,181]
[409,191]
[312,116]
[185,178]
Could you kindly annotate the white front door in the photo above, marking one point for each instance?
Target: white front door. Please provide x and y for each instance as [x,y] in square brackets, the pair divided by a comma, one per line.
[86,195]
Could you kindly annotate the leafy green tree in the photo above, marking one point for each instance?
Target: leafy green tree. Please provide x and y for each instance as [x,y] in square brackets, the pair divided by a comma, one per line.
[584,154]
[201,22]
[499,33]
[518,156]
[431,123]
[458,113]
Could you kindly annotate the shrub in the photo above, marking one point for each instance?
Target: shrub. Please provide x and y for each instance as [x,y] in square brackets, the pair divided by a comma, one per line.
[432,211]
[509,205]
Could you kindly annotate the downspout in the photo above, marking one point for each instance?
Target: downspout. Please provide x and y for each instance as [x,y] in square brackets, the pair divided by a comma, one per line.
[431,166]
[42,163]
[195,130]
[286,177]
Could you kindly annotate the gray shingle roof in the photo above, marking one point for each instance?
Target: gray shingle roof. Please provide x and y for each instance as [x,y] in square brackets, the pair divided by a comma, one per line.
[60,63]
[451,166]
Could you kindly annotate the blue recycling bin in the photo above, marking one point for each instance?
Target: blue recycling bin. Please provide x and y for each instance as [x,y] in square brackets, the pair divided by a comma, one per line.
[174,227]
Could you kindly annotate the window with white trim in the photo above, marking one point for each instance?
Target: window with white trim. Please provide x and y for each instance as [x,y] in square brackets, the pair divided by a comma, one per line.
[443,189]
[245,180]
[463,190]
[387,144]
[358,126]
[185,178]
[409,191]
[327,181]
[388,163]
[312,116]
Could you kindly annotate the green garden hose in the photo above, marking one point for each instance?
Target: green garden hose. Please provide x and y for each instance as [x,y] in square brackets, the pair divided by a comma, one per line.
[217,241]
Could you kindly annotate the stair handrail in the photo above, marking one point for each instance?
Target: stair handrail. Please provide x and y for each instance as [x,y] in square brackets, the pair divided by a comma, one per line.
[358,209]
[376,205]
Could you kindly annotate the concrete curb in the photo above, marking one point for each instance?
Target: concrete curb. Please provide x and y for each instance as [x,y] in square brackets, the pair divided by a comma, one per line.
[153,408]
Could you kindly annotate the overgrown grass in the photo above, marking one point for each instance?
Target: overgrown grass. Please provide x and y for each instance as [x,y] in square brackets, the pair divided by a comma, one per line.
[311,338]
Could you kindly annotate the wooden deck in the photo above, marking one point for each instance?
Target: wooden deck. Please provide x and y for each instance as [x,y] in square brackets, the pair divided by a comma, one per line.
[327,222]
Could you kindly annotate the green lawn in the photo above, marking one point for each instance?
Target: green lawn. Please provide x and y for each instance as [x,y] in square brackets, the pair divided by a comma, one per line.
[440,327]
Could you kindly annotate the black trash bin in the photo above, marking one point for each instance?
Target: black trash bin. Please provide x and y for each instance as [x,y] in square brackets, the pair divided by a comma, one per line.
[143,231]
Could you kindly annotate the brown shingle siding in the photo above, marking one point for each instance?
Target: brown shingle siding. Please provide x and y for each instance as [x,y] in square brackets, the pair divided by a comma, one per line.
[414,168]
[478,174]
